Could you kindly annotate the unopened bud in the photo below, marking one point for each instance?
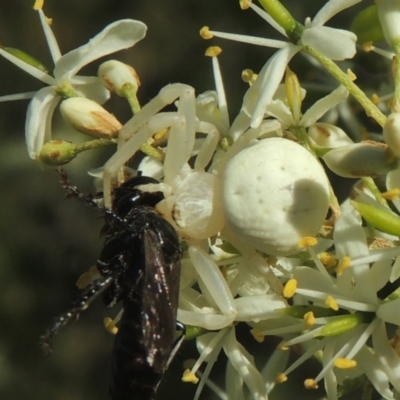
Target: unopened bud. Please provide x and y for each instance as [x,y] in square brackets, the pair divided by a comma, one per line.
[88,117]
[293,93]
[118,77]
[389,14]
[361,159]
[57,152]
[391,133]
[328,135]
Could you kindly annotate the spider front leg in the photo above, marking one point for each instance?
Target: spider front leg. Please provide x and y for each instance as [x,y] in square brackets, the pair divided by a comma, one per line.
[80,304]
[146,123]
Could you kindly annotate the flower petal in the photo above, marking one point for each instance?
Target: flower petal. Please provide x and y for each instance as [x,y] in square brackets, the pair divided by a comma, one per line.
[116,36]
[322,106]
[91,88]
[336,44]
[38,119]
[261,92]
[330,9]
[389,312]
[238,356]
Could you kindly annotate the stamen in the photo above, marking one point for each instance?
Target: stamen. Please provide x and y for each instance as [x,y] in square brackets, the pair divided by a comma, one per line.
[327,259]
[110,325]
[345,363]
[205,33]
[88,277]
[213,51]
[310,384]
[307,241]
[367,46]
[257,334]
[38,5]
[391,194]
[290,288]
[331,303]
[282,346]
[375,98]
[249,76]
[280,378]
[345,263]
[244,4]
[351,74]
[309,319]
[189,377]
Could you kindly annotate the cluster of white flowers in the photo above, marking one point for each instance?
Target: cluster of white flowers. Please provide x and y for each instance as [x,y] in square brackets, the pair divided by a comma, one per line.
[250,199]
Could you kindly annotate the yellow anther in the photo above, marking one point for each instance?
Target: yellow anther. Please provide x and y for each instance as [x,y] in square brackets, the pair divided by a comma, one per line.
[205,33]
[307,241]
[310,384]
[343,265]
[213,51]
[160,134]
[367,46]
[244,4]
[280,378]
[345,363]
[88,277]
[290,288]
[309,319]
[110,325]
[282,346]
[38,5]
[189,377]
[249,76]
[327,259]
[331,303]
[257,334]
[351,74]
[375,98]
[391,194]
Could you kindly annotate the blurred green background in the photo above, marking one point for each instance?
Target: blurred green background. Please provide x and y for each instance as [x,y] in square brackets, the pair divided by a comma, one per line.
[47,242]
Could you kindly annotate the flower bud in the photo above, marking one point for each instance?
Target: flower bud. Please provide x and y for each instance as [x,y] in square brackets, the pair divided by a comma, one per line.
[328,135]
[118,77]
[389,16]
[361,159]
[88,117]
[57,152]
[391,133]
[274,193]
[384,220]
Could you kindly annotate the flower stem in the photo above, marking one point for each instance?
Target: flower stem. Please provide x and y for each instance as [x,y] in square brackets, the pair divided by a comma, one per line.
[369,107]
[396,76]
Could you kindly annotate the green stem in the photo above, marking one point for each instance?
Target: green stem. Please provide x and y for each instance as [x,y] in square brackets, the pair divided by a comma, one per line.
[279,13]
[371,185]
[369,107]
[396,75]
[93,144]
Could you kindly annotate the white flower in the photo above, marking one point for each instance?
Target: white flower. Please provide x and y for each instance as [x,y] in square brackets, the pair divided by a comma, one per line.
[355,290]
[116,36]
[336,44]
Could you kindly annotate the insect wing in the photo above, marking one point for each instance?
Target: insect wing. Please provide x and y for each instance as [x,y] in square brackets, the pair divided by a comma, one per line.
[160,301]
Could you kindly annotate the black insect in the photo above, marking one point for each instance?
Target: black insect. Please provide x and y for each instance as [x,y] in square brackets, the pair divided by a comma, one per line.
[139,266]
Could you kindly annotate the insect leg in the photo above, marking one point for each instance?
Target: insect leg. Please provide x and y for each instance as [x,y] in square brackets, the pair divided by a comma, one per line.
[78,306]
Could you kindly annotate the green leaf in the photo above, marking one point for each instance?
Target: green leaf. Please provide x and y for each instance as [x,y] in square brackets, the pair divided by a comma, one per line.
[367,27]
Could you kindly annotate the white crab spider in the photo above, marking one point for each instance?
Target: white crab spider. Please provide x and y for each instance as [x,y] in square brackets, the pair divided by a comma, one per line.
[189,193]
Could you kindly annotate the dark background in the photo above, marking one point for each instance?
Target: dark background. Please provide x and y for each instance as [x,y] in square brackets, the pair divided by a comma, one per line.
[47,242]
